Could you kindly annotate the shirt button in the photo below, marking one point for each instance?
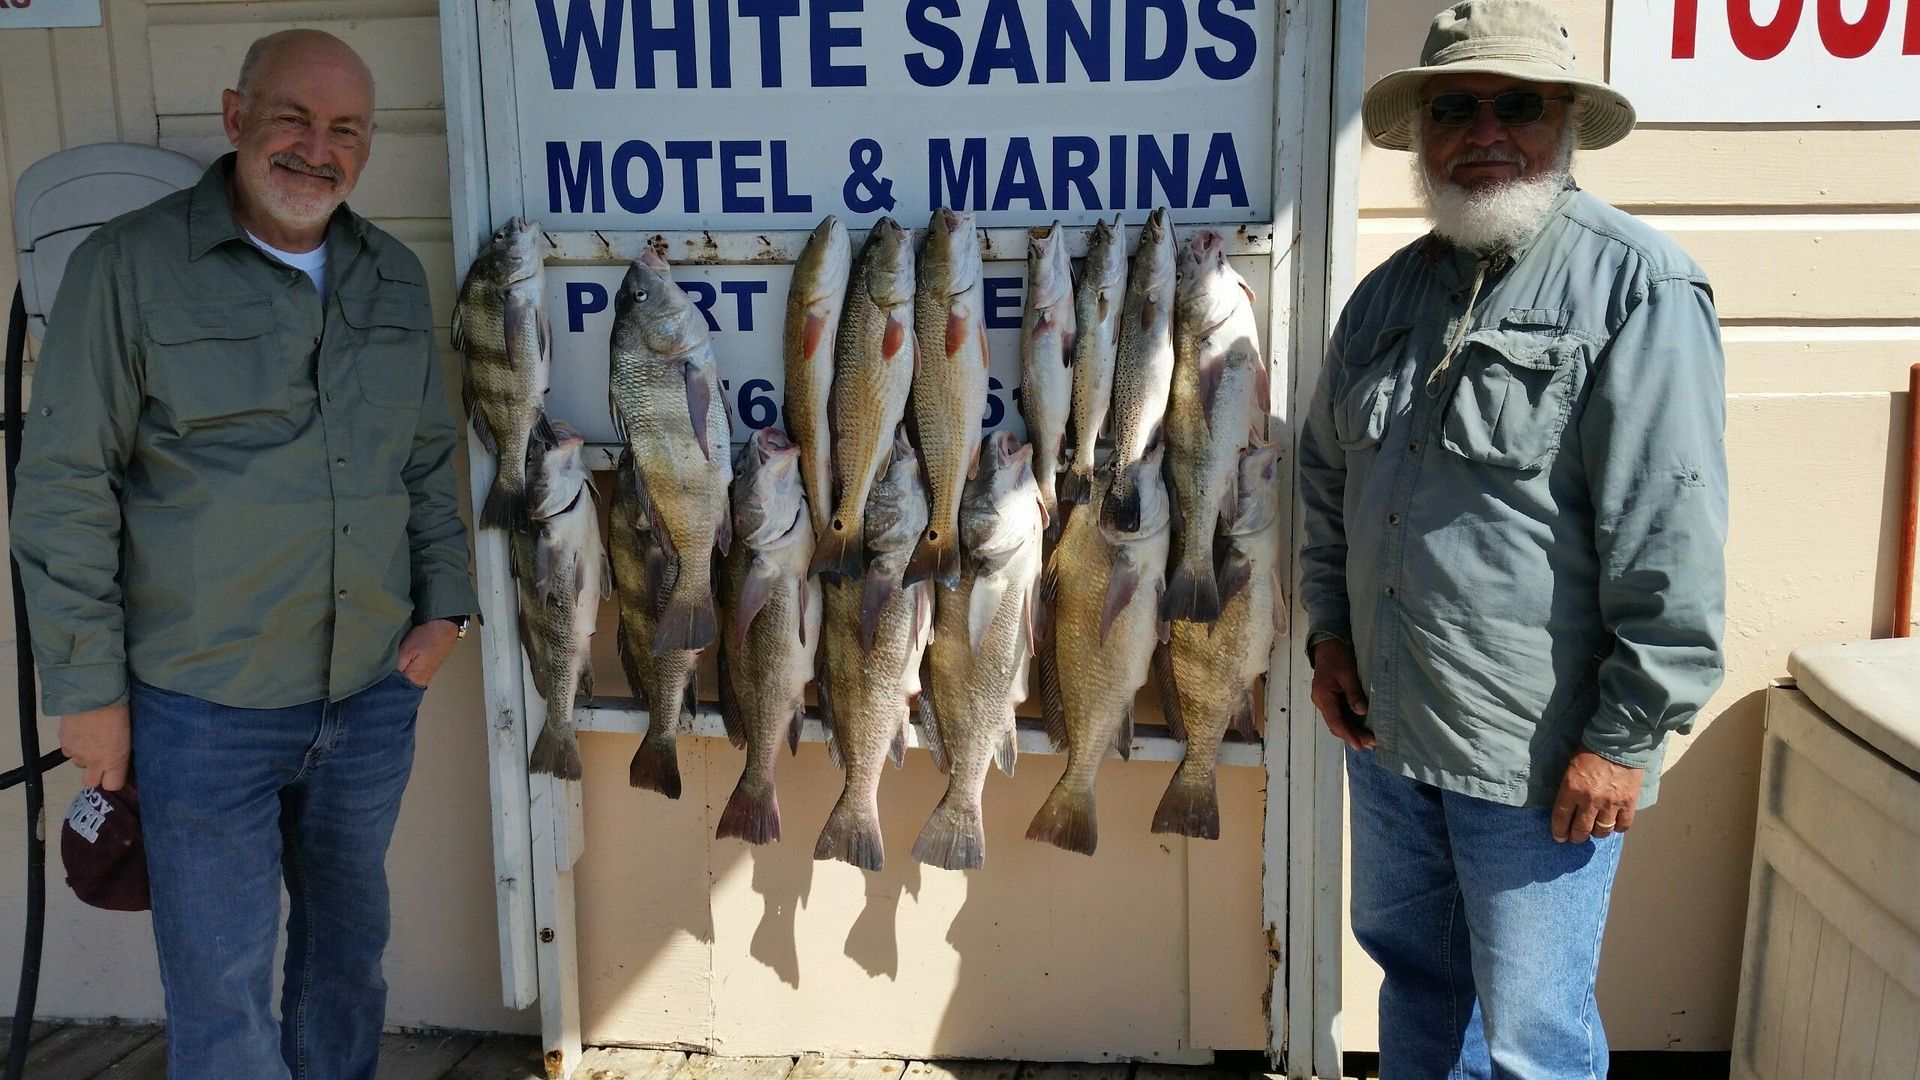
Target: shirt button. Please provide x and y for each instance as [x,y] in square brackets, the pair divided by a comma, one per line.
[1393,519]
[342,594]
[1388,590]
[316,339]
[346,530]
[1414,446]
[339,463]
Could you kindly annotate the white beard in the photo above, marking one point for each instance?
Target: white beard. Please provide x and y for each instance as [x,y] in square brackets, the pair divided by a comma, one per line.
[1497,217]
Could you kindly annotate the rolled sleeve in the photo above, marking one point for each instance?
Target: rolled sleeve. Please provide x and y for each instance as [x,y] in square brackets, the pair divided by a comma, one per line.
[436,537]
[1653,435]
[1323,481]
[66,526]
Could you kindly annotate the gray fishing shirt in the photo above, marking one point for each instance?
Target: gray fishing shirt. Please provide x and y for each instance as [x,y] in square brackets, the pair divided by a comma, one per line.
[1523,544]
[230,487]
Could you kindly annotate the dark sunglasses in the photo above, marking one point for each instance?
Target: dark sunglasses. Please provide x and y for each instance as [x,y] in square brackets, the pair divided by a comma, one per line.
[1514,108]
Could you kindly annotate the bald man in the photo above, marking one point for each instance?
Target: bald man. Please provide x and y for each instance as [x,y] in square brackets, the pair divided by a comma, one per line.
[239,534]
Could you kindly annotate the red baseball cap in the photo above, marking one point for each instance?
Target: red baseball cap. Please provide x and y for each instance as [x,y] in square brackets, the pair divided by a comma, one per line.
[101,848]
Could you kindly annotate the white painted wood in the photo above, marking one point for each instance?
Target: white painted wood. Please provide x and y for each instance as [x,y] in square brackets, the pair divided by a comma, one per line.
[626,716]
[499,638]
[203,54]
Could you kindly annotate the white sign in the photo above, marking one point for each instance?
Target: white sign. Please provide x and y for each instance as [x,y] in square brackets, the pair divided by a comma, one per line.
[744,307]
[20,14]
[1768,61]
[770,114]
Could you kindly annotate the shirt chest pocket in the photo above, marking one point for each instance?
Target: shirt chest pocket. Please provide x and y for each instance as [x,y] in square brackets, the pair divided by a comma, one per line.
[1364,402]
[390,350]
[215,359]
[1517,387]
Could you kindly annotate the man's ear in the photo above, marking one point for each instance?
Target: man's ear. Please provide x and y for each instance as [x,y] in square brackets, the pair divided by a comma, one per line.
[231,107]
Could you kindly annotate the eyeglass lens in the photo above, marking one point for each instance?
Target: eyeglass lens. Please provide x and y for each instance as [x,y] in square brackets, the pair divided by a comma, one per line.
[1514,108]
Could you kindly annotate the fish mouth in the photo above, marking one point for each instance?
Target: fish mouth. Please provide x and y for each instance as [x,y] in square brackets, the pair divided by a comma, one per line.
[653,261]
[773,442]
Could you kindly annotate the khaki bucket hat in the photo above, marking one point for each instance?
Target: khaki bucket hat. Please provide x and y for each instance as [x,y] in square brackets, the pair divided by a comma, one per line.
[1517,38]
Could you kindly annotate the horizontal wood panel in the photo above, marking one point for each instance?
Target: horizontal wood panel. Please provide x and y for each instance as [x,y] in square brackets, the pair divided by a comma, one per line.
[194,61]
[405,178]
[1819,359]
[1776,269]
[1720,167]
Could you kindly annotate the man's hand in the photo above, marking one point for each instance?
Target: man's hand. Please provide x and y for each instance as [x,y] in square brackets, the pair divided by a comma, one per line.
[425,648]
[1596,799]
[1337,693]
[100,741]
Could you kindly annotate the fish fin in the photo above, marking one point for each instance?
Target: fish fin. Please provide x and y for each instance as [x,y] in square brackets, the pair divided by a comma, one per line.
[896,334]
[1191,806]
[1282,607]
[688,621]
[656,763]
[1053,703]
[543,571]
[1123,581]
[585,687]
[1211,372]
[955,836]
[1262,395]
[654,561]
[619,421]
[699,401]
[556,752]
[536,665]
[730,716]
[723,533]
[897,751]
[852,834]
[1120,509]
[1074,487]
[1236,572]
[983,604]
[506,505]
[457,333]
[622,644]
[927,715]
[1008,750]
[806,603]
[1123,737]
[1169,692]
[876,590]
[935,557]
[840,552]
[755,591]
[1242,720]
[794,729]
[752,814]
[1066,820]
[481,429]
[814,331]
[958,326]
[543,332]
[1067,338]
[1193,594]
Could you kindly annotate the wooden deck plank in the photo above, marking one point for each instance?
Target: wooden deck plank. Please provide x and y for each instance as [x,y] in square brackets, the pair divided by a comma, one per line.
[706,1067]
[501,1057]
[816,1067]
[1145,1071]
[149,1062]
[1074,1070]
[422,1057]
[963,1070]
[40,1030]
[629,1063]
[80,1053]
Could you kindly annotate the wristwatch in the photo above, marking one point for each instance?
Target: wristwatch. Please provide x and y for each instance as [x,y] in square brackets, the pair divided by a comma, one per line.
[459,624]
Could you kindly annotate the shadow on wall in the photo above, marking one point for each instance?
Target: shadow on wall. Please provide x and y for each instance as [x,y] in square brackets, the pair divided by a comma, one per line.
[1682,890]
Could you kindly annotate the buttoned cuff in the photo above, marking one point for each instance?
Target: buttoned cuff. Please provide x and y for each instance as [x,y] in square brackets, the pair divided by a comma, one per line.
[1609,735]
[66,689]
[443,599]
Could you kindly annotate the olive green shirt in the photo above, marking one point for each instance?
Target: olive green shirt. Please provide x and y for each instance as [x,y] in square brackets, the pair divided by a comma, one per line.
[229,488]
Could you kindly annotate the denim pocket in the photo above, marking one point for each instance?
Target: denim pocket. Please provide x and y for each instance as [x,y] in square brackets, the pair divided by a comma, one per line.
[1516,390]
[1365,398]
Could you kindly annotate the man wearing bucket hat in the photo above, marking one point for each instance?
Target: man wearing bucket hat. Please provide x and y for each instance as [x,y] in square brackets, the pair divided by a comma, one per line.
[1516,503]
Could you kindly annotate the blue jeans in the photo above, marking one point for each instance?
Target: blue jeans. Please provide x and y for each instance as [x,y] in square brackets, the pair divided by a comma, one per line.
[233,802]
[1488,931]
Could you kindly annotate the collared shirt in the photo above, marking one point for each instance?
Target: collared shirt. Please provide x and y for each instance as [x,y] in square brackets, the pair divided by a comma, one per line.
[229,488]
[1524,546]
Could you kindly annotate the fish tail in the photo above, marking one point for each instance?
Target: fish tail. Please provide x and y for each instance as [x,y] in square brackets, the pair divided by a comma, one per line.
[506,505]
[1076,484]
[1191,806]
[752,813]
[1066,819]
[840,549]
[1193,592]
[557,751]
[656,766]
[852,834]
[688,622]
[955,837]
[937,556]
[1120,510]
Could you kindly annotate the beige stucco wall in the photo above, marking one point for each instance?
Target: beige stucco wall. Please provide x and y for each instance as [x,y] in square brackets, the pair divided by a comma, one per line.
[1153,948]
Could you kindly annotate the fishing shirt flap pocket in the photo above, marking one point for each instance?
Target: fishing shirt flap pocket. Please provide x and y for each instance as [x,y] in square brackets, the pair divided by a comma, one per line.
[391,328]
[1368,376]
[1518,381]
[208,360]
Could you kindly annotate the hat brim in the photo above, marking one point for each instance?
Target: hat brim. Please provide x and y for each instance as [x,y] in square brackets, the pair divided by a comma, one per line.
[1392,103]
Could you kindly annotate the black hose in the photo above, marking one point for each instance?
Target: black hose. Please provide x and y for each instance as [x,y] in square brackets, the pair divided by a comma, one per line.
[30,759]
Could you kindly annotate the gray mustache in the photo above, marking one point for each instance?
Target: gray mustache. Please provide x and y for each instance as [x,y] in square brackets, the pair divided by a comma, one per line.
[288,160]
[1487,154]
